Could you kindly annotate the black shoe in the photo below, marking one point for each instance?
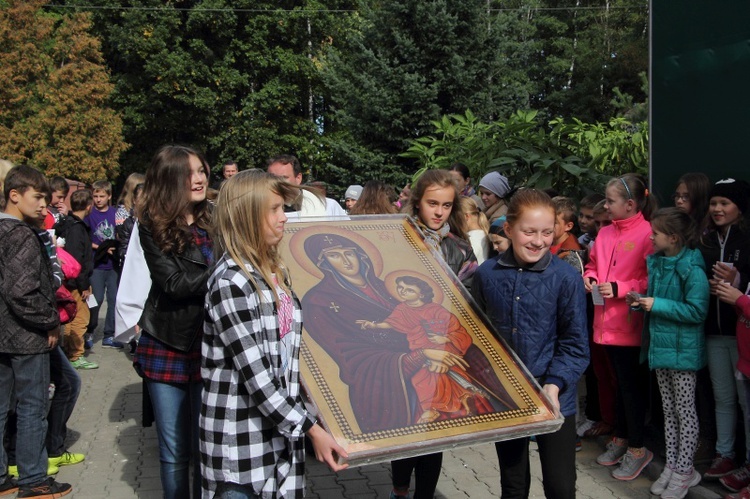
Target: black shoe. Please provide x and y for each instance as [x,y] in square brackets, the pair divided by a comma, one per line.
[47,489]
[9,486]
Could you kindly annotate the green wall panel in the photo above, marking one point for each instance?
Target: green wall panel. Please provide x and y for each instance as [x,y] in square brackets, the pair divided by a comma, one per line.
[700,90]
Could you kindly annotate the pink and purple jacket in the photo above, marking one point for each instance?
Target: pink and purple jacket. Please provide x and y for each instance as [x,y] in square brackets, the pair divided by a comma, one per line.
[743,334]
[619,256]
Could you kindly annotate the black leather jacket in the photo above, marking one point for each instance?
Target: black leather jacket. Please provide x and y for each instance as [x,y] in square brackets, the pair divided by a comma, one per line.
[173,312]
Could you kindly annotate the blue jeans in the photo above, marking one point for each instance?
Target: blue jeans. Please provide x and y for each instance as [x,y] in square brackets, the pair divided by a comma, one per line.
[228,490]
[722,362]
[67,387]
[28,377]
[104,281]
[176,410]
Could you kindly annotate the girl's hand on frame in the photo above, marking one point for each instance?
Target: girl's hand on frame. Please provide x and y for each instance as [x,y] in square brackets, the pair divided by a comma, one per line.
[605,289]
[553,391]
[727,293]
[588,283]
[646,303]
[326,449]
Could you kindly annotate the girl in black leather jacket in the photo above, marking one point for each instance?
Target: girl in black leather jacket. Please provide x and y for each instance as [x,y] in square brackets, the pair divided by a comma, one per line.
[174,221]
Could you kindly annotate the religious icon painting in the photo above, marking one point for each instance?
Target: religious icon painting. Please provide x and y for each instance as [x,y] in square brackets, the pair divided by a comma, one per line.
[395,358]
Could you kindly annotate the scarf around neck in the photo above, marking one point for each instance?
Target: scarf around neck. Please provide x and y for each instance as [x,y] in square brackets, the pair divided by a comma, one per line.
[434,237]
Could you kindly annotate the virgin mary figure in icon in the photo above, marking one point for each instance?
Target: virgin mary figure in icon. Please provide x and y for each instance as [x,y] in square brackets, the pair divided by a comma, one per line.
[377,363]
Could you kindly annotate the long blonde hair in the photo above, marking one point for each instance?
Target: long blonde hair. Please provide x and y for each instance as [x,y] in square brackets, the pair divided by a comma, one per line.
[127,194]
[472,210]
[240,223]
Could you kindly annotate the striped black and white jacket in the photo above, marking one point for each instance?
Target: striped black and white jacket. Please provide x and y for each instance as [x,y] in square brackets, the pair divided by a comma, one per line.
[252,419]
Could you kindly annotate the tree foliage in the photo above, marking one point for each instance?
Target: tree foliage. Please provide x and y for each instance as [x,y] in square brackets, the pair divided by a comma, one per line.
[411,62]
[405,64]
[573,157]
[346,85]
[54,110]
[237,79]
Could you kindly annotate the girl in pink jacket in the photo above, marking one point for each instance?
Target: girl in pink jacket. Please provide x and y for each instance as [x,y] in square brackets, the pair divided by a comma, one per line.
[617,267]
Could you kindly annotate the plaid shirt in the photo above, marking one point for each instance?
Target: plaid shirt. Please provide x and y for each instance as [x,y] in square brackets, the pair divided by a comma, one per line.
[160,362]
[252,419]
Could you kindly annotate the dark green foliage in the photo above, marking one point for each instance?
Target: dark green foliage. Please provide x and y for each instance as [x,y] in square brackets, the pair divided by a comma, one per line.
[575,158]
[346,85]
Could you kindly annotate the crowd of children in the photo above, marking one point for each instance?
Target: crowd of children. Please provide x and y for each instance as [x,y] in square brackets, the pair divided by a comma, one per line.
[624,287]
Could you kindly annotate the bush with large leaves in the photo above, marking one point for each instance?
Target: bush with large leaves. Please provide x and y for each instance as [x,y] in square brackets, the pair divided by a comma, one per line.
[574,158]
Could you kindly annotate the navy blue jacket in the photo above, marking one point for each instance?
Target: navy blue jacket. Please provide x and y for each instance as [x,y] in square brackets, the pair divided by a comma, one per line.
[540,311]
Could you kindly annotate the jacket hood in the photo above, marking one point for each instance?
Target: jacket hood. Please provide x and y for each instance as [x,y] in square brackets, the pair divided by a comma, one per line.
[5,215]
[682,262]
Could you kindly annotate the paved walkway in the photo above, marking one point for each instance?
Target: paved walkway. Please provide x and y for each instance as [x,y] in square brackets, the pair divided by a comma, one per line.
[122,458]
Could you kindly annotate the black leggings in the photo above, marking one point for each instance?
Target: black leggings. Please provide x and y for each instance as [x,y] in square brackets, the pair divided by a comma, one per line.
[557,454]
[632,392]
[426,474]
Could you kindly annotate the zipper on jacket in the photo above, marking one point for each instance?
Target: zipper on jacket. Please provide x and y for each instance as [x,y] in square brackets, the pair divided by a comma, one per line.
[722,245]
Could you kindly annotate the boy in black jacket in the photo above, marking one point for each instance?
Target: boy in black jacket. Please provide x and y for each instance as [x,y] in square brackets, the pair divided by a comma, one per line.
[78,244]
[29,329]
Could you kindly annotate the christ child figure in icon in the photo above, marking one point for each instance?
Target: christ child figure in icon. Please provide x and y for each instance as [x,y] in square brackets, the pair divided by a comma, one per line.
[444,391]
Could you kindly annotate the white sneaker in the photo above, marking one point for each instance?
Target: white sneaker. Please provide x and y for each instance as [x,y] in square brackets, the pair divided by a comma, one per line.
[679,485]
[661,483]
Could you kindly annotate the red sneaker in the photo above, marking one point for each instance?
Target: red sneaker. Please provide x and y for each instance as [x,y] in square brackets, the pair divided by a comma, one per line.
[720,467]
[738,479]
[743,494]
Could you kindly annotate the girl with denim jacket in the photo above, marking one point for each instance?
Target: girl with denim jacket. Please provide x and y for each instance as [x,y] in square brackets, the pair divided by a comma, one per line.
[512,289]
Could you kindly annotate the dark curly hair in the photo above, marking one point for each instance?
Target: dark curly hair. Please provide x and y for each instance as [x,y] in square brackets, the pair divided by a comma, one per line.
[166,198]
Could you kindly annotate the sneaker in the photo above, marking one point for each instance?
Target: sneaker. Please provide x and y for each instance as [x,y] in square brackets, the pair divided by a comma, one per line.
[88,342]
[720,467]
[680,483]
[743,494]
[660,485]
[631,465]
[81,363]
[109,342]
[66,459]
[48,489]
[395,496]
[8,487]
[579,444]
[738,479]
[52,469]
[613,454]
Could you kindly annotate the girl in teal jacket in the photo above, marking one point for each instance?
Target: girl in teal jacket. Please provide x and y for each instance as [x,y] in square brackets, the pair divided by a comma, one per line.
[676,306]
